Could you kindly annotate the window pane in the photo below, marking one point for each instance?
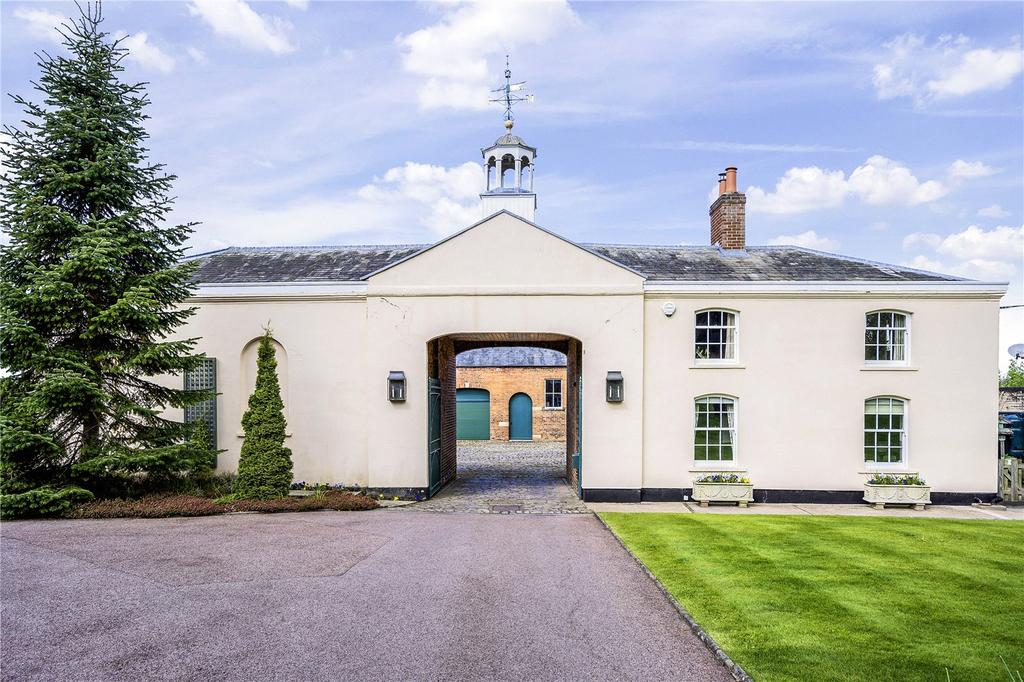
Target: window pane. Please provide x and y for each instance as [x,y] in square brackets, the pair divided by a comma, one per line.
[896,454]
[702,319]
[700,452]
[727,452]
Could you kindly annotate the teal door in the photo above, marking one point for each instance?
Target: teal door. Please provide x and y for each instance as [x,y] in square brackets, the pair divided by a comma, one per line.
[520,417]
[433,435]
[472,414]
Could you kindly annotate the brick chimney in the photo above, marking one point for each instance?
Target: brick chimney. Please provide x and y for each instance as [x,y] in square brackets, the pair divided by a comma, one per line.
[728,213]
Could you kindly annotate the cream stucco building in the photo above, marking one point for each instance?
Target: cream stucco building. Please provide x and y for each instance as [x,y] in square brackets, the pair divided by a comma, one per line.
[804,370]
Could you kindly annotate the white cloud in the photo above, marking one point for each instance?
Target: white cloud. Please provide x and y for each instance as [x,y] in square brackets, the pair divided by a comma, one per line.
[976,71]
[881,181]
[965,170]
[144,53]
[197,55]
[878,181]
[1000,243]
[236,20]
[298,4]
[452,54]
[41,23]
[441,199]
[809,239]
[946,68]
[800,190]
[976,253]
[994,211]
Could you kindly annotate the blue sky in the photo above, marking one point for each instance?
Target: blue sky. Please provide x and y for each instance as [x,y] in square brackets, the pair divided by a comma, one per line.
[881,130]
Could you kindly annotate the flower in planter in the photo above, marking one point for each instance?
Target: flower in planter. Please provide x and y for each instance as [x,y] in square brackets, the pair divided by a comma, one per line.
[722,478]
[890,479]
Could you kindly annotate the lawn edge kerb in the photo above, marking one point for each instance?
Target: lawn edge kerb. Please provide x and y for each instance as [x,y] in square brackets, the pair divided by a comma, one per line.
[734,668]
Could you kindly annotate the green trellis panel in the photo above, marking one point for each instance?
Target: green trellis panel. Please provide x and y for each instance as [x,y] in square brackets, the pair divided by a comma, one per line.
[203,377]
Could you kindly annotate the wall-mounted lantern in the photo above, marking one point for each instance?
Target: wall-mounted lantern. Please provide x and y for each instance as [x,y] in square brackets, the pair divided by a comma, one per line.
[396,386]
[613,387]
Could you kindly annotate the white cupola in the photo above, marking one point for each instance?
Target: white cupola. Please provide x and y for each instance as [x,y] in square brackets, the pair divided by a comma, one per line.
[509,163]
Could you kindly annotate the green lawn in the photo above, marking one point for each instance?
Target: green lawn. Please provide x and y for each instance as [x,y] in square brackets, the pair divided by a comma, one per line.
[844,598]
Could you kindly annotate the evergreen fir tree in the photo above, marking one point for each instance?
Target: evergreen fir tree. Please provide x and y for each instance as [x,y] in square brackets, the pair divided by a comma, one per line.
[265,464]
[91,281]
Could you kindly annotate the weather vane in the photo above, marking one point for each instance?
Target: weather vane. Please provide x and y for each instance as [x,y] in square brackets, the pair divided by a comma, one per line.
[510,93]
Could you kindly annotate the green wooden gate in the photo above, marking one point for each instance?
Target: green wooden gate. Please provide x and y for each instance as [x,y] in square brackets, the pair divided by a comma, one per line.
[434,434]
[577,458]
[472,414]
[520,417]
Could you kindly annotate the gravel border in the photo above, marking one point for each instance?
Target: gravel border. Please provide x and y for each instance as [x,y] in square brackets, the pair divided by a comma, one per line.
[738,672]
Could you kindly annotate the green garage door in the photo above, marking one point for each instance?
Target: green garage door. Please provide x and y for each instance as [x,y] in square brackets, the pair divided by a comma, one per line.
[472,414]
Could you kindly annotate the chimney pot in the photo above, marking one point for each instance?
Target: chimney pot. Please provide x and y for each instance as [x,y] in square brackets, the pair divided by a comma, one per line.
[721,184]
[730,179]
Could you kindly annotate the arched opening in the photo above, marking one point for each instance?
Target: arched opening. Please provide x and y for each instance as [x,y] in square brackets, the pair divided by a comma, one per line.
[508,172]
[525,174]
[472,414]
[520,417]
[528,385]
[248,371]
[492,174]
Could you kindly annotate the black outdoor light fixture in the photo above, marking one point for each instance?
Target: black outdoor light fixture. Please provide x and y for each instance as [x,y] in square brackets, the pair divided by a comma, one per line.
[613,387]
[396,386]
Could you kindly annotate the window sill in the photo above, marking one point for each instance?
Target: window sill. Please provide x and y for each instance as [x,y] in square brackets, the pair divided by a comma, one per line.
[697,469]
[882,469]
[717,365]
[888,368]
[553,409]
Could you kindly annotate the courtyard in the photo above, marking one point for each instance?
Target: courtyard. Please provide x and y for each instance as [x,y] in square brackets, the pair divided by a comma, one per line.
[508,477]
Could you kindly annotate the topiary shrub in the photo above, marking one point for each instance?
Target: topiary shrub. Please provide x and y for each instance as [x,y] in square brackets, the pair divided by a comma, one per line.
[265,464]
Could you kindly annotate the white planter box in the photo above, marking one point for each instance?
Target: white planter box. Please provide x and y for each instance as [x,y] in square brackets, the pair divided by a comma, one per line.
[740,493]
[881,495]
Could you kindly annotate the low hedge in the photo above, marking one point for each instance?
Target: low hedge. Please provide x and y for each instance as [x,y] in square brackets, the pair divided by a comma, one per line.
[161,506]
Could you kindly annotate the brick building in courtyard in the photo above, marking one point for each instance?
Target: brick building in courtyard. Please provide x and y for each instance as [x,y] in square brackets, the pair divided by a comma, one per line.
[510,394]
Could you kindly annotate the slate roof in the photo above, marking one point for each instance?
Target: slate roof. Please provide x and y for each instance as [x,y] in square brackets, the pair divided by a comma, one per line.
[755,263]
[663,263]
[255,264]
[503,356]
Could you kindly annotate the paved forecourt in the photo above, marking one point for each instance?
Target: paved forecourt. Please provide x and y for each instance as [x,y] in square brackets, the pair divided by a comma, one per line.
[384,594]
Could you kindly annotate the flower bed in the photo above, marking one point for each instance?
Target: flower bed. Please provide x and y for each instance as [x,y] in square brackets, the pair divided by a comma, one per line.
[910,489]
[160,506]
[723,488]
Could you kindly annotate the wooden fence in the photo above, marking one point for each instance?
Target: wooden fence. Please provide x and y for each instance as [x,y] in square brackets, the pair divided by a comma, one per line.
[1011,480]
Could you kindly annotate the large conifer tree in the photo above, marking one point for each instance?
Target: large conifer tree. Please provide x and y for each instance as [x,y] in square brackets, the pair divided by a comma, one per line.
[91,281]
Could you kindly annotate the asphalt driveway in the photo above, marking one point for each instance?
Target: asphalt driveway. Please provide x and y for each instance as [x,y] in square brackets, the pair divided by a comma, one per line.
[327,595]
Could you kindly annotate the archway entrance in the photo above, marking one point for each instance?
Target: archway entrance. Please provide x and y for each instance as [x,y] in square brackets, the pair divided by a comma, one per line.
[523,462]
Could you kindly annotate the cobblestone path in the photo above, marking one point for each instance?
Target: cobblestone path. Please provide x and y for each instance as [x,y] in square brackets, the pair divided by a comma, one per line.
[507,478]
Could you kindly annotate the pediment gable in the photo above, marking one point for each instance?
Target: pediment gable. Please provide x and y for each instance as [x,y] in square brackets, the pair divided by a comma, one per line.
[505,250]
